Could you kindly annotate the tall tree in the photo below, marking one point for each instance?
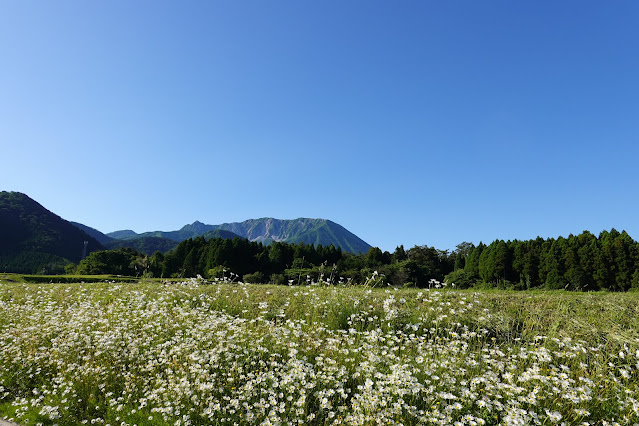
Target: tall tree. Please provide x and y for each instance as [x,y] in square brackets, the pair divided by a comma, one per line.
[554,264]
[487,271]
[624,261]
[399,254]
[374,257]
[472,261]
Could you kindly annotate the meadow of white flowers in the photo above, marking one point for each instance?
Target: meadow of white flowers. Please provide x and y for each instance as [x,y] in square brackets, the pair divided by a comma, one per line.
[187,354]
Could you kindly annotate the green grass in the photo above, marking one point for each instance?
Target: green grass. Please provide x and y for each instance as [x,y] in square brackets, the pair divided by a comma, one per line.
[79,279]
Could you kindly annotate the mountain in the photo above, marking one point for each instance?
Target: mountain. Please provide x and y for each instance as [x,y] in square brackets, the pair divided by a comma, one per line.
[122,235]
[266,230]
[34,240]
[102,238]
[150,242]
[220,233]
[194,230]
[146,245]
[302,230]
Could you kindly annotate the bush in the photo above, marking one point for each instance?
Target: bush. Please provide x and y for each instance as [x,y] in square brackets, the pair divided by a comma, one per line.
[217,272]
[460,278]
[254,278]
[70,268]
[279,279]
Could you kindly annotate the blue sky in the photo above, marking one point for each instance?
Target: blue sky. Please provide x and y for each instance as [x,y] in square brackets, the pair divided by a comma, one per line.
[415,123]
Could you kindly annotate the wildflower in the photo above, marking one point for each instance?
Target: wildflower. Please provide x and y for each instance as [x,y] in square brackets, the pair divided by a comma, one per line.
[554,416]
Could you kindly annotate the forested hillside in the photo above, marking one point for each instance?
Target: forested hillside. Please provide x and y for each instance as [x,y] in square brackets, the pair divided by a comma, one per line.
[145,245]
[32,239]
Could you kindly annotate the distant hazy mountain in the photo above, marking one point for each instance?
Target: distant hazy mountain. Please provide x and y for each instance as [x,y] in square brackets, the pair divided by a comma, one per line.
[146,245]
[33,240]
[102,238]
[121,235]
[266,230]
[193,230]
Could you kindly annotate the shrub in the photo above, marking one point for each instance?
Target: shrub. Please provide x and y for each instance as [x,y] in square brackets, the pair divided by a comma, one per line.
[460,278]
[279,279]
[254,278]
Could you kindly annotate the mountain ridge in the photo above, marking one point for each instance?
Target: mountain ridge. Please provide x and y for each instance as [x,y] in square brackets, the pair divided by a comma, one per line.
[34,239]
[101,237]
[267,230]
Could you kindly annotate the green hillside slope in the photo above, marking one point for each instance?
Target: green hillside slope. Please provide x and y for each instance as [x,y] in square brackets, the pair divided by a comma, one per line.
[122,235]
[33,239]
[146,245]
[220,233]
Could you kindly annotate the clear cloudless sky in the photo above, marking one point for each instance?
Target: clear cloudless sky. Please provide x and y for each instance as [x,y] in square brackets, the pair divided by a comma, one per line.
[413,122]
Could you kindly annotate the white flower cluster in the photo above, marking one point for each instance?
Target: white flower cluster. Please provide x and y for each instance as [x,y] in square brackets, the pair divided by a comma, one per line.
[237,354]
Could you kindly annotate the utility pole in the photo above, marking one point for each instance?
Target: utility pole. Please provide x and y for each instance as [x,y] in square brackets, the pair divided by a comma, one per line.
[84,250]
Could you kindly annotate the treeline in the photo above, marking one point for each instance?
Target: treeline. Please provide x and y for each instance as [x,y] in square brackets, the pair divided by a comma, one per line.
[584,262]
[28,262]
[278,263]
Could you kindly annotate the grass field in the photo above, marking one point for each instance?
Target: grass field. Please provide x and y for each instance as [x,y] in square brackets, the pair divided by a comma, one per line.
[187,353]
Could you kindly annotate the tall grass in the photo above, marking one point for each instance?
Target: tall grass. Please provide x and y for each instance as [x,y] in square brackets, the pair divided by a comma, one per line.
[255,354]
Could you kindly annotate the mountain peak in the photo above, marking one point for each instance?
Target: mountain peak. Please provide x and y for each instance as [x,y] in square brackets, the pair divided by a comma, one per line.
[123,234]
[267,230]
[196,228]
[300,230]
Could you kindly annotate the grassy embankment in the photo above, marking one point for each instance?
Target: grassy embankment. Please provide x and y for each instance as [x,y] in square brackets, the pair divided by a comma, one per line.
[154,353]
[78,279]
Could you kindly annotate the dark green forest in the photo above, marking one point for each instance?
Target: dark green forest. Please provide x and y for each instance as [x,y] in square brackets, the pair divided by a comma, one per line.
[584,262]
[32,239]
